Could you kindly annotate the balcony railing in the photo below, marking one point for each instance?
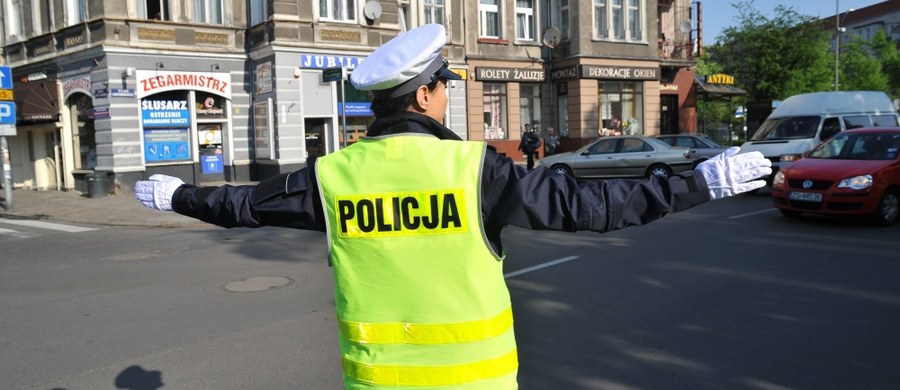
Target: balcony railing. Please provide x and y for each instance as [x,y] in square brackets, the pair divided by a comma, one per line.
[679,51]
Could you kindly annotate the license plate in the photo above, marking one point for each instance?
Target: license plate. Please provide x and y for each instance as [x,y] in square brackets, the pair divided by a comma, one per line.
[806,196]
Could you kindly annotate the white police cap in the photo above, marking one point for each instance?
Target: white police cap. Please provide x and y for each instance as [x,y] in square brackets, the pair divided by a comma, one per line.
[401,65]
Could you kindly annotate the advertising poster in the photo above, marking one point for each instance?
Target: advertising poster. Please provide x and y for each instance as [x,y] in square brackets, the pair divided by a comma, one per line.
[165,145]
[165,113]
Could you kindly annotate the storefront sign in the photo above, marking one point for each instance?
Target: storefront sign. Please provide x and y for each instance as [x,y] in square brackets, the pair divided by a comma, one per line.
[509,74]
[101,113]
[165,113]
[720,79]
[80,84]
[209,106]
[668,87]
[212,163]
[564,73]
[150,82]
[161,145]
[618,73]
[319,61]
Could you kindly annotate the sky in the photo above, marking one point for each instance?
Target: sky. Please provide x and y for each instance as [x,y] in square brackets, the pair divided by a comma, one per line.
[719,14]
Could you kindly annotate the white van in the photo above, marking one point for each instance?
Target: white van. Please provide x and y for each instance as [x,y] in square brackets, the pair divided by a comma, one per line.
[803,121]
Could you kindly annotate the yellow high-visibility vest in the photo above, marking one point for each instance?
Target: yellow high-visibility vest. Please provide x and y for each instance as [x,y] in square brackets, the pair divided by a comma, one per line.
[421,300]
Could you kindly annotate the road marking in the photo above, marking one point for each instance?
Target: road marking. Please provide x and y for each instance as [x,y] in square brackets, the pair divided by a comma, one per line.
[14,233]
[753,213]
[539,266]
[46,225]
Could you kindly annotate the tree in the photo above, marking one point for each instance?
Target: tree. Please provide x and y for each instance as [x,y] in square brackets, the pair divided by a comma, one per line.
[885,50]
[860,70]
[775,58]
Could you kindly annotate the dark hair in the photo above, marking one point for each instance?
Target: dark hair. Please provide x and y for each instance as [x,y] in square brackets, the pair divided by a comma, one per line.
[384,108]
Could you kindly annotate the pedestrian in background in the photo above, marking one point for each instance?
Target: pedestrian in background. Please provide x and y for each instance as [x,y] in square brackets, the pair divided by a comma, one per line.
[413,218]
[529,145]
[551,141]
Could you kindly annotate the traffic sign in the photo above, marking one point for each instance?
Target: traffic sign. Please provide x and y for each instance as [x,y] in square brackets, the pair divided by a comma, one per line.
[6,94]
[6,80]
[7,130]
[7,113]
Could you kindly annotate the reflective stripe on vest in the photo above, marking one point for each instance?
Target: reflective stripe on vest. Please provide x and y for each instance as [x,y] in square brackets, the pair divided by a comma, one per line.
[431,376]
[410,333]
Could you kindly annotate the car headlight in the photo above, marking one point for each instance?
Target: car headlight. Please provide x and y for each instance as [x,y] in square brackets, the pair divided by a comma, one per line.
[778,180]
[857,183]
[789,157]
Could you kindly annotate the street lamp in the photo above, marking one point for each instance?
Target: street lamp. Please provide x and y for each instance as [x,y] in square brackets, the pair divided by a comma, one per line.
[837,42]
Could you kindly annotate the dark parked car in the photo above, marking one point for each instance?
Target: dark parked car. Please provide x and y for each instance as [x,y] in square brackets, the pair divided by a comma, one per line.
[702,148]
[621,156]
[855,172]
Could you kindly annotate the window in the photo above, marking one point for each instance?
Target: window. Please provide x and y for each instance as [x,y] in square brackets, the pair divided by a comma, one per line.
[884,120]
[621,108]
[489,18]
[562,110]
[75,12]
[434,11]
[208,11]
[854,122]
[618,20]
[525,20]
[495,111]
[258,12]
[530,105]
[343,10]
[154,9]
[563,18]
[13,19]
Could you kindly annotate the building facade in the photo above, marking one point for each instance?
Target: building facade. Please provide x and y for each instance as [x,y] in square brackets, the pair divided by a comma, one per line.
[216,91]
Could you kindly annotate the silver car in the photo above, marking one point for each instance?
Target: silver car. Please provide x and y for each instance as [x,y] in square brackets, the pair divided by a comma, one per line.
[701,147]
[621,156]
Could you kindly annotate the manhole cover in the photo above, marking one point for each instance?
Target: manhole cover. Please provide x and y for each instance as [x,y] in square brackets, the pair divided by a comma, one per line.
[261,283]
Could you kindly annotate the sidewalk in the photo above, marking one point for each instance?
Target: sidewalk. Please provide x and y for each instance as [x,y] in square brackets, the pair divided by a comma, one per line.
[75,207]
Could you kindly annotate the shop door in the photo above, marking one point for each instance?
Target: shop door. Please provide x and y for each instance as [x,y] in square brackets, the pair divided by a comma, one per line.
[317,137]
[668,117]
[209,142]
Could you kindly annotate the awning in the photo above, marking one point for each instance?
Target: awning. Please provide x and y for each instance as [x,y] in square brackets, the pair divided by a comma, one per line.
[37,101]
[716,91]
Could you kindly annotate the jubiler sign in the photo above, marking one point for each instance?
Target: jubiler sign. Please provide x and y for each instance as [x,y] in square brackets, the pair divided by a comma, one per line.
[509,74]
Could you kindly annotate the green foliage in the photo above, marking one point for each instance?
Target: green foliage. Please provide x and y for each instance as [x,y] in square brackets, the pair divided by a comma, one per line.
[885,50]
[860,71]
[773,58]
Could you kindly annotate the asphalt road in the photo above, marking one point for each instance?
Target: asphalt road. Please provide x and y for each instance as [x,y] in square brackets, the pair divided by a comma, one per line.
[729,295]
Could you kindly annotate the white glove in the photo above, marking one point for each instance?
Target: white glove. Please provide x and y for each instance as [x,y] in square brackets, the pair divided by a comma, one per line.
[731,173]
[156,193]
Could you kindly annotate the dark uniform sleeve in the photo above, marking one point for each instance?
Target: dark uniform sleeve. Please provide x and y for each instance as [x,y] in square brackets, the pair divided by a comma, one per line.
[287,200]
[544,200]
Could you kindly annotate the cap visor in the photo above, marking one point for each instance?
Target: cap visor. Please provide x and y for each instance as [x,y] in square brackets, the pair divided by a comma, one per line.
[446,74]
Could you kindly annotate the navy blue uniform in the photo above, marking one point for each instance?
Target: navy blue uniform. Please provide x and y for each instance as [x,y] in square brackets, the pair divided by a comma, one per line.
[539,200]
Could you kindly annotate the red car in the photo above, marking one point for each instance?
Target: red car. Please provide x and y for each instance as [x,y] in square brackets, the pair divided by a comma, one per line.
[856,172]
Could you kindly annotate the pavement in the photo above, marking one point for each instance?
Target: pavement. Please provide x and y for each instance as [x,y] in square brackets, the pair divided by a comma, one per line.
[76,207]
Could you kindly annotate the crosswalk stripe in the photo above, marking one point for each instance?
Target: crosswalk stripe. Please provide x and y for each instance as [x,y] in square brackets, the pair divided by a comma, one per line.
[16,234]
[46,225]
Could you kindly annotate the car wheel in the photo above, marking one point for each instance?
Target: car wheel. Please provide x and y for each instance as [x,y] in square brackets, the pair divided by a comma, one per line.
[888,208]
[562,169]
[789,213]
[659,170]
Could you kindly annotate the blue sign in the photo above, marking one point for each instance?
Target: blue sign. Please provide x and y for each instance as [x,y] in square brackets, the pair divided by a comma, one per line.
[166,145]
[165,113]
[355,109]
[7,113]
[212,164]
[6,80]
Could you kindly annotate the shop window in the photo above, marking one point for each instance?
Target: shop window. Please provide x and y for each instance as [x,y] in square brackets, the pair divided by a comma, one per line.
[530,105]
[338,10]
[209,106]
[621,108]
[495,111]
[489,18]
[84,144]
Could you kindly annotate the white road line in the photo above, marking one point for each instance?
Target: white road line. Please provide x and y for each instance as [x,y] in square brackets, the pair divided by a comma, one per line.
[753,213]
[539,266]
[45,225]
[14,233]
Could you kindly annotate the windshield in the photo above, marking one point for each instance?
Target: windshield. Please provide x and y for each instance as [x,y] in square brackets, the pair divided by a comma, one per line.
[787,128]
[859,146]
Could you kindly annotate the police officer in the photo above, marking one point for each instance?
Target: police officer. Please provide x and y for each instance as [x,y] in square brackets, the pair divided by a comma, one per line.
[413,217]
